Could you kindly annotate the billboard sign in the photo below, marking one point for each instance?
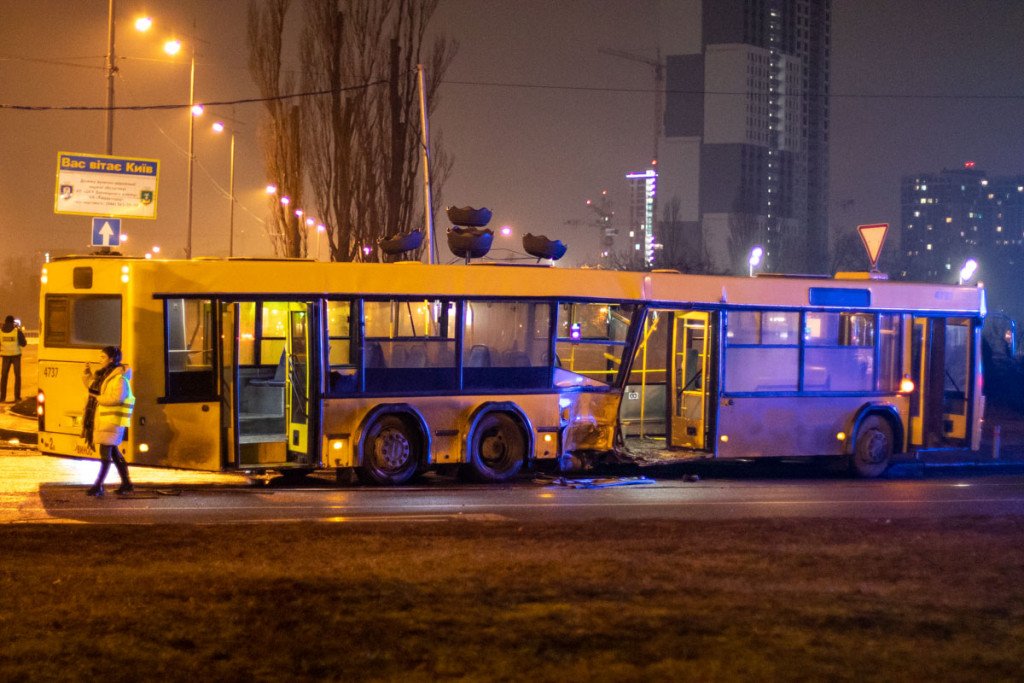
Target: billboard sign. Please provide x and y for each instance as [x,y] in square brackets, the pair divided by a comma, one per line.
[99,185]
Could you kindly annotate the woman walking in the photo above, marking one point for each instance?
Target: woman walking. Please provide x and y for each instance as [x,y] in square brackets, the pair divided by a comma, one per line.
[107,414]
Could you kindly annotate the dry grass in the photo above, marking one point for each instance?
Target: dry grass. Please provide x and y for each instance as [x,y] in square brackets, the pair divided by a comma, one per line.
[617,601]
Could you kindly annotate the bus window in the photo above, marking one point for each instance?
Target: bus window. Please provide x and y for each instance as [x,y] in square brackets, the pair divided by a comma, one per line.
[247,333]
[342,375]
[410,345]
[273,330]
[82,321]
[189,344]
[506,345]
[889,358]
[840,351]
[591,340]
[762,352]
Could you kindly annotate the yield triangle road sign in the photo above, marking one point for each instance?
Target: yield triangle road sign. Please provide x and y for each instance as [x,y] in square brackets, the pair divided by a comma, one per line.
[873,237]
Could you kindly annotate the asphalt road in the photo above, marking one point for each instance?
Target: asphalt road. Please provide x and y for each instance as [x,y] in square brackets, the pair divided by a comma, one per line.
[35,488]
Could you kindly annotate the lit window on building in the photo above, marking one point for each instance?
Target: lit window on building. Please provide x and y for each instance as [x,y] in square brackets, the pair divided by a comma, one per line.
[949,219]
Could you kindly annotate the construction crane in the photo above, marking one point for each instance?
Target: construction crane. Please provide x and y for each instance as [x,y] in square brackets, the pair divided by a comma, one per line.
[659,87]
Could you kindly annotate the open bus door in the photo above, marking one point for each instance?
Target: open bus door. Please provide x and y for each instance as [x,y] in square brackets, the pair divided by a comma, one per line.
[301,385]
[688,380]
[941,353]
[230,454]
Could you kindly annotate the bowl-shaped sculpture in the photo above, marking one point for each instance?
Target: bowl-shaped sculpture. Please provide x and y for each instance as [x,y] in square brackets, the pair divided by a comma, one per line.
[468,216]
[470,243]
[541,247]
[399,244]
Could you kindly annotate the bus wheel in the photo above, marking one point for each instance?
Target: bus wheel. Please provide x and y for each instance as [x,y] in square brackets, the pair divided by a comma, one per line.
[498,448]
[390,452]
[873,448]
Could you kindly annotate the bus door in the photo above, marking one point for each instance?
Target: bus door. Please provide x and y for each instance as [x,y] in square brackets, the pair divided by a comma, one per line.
[940,361]
[230,454]
[688,380]
[301,384]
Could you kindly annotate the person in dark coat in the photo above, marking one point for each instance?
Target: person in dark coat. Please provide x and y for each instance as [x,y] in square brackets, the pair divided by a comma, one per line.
[12,340]
[107,414]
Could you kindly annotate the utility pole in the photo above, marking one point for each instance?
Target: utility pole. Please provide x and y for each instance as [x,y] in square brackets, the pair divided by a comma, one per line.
[659,88]
[111,70]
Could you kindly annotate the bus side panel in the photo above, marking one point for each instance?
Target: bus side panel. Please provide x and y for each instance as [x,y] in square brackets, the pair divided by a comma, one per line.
[184,435]
[751,427]
[447,419]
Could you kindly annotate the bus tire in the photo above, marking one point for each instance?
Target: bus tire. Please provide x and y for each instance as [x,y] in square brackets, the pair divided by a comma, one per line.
[498,447]
[873,447]
[391,452]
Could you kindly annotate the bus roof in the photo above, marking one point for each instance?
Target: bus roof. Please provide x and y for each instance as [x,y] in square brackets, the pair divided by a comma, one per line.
[296,277]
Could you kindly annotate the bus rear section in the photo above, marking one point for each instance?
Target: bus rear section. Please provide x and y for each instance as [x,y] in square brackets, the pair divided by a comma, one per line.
[867,386]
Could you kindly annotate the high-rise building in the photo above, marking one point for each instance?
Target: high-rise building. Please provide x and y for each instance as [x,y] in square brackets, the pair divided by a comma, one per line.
[961,213]
[642,194]
[744,155]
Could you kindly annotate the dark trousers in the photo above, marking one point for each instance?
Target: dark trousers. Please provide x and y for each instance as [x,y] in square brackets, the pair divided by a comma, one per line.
[110,454]
[8,363]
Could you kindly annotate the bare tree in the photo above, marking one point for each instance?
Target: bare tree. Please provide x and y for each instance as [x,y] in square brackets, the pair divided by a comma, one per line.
[360,145]
[680,251]
[279,132]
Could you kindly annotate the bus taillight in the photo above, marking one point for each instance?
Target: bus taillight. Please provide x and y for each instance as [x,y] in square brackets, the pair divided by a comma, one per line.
[40,410]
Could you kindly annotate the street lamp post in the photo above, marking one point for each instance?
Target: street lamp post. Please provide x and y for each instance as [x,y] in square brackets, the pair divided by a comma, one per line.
[111,69]
[191,147]
[219,128]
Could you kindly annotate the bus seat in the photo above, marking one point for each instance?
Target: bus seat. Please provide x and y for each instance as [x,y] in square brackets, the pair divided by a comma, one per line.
[415,356]
[479,357]
[375,356]
[518,359]
[277,380]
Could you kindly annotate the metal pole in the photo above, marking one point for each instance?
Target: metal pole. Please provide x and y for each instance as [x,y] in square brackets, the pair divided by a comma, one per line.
[425,142]
[111,69]
[231,195]
[191,147]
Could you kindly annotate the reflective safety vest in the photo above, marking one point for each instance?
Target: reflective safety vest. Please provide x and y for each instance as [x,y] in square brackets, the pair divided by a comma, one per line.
[9,343]
[118,416]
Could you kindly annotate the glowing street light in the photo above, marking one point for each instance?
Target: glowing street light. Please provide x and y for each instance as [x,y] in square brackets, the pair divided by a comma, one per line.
[755,259]
[271,189]
[286,200]
[968,270]
[143,24]
[172,47]
[506,231]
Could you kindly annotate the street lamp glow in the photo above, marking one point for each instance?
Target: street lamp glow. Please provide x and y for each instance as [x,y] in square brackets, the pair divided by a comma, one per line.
[271,189]
[218,126]
[172,47]
[299,212]
[197,109]
[286,201]
[321,228]
[310,222]
[755,259]
[156,249]
[143,24]
[505,231]
[968,270]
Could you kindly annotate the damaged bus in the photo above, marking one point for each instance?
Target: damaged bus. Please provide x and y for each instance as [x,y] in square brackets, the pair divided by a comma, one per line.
[390,370]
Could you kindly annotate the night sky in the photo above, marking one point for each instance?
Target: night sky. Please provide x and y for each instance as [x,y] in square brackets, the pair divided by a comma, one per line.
[537,120]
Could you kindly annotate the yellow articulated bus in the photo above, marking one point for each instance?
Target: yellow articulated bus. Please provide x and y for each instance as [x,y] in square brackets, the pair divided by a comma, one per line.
[393,369]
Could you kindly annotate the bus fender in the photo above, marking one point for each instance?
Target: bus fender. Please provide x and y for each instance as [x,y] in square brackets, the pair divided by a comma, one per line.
[402,409]
[886,410]
[498,407]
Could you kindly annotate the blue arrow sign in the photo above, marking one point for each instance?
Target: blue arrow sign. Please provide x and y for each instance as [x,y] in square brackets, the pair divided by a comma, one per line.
[106,232]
